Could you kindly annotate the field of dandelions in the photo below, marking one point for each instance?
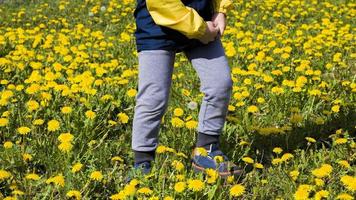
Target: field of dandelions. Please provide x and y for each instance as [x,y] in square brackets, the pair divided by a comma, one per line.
[68,80]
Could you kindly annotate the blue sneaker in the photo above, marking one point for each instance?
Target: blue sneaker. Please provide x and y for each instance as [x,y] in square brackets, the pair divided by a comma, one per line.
[214,158]
[138,169]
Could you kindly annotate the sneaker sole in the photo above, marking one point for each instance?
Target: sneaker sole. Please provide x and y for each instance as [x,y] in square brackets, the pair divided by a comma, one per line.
[198,168]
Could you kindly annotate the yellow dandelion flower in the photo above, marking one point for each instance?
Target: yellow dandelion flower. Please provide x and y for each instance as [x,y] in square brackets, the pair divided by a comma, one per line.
[53,125]
[178,165]
[130,190]
[258,165]
[349,182]
[168,198]
[66,110]
[231,108]
[38,122]
[277,90]
[74,193]
[181,154]
[177,122]
[5,114]
[344,164]
[26,157]
[161,149]
[243,143]
[310,139]
[168,149]
[314,92]
[237,190]
[339,131]
[294,174]
[319,182]
[230,179]
[4,174]
[302,192]
[248,160]
[3,122]
[112,123]
[32,176]
[260,100]
[65,137]
[145,191]
[340,141]
[191,124]
[57,180]
[178,112]
[8,145]
[180,186]
[131,92]
[286,156]
[23,130]
[321,194]
[118,196]
[10,198]
[134,182]
[277,150]
[240,103]
[218,159]
[252,109]
[276,161]
[212,175]
[65,147]
[96,175]
[323,171]
[335,108]
[195,185]
[117,158]
[90,114]
[201,151]
[180,177]
[123,117]
[17,192]
[32,105]
[344,196]
[76,167]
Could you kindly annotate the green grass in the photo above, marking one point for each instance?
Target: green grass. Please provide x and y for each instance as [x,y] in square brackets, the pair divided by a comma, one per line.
[283,120]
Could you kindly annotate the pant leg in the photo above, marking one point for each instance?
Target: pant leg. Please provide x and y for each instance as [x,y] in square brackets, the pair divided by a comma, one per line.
[211,64]
[155,77]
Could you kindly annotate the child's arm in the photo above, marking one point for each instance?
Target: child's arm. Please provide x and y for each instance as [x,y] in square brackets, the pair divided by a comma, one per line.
[222,6]
[175,15]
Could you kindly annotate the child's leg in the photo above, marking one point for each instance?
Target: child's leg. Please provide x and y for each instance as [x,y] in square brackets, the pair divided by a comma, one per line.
[213,70]
[155,75]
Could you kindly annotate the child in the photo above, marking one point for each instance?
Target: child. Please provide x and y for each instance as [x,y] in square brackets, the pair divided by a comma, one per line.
[194,27]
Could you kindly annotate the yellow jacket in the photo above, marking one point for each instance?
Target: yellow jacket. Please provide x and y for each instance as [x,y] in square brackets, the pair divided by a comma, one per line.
[175,15]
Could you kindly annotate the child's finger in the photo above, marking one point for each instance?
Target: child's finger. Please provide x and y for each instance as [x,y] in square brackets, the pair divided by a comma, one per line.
[221,30]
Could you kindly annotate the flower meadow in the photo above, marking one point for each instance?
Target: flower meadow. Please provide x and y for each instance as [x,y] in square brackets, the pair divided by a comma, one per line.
[68,80]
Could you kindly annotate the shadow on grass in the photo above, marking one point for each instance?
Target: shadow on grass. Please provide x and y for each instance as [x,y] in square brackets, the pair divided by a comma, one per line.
[262,145]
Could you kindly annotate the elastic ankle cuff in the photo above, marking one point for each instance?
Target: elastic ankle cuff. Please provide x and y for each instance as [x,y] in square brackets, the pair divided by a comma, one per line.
[204,140]
[142,156]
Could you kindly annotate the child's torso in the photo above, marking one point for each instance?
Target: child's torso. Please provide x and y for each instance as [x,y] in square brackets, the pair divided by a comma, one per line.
[151,36]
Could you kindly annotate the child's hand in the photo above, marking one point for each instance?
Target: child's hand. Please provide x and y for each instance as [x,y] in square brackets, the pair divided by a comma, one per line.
[219,20]
[210,33]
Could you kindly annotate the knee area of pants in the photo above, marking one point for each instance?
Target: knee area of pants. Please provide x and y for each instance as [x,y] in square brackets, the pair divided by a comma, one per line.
[154,104]
[221,90]
[221,86]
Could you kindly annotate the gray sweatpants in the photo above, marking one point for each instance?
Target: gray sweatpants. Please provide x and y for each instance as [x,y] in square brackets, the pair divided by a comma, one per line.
[155,76]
